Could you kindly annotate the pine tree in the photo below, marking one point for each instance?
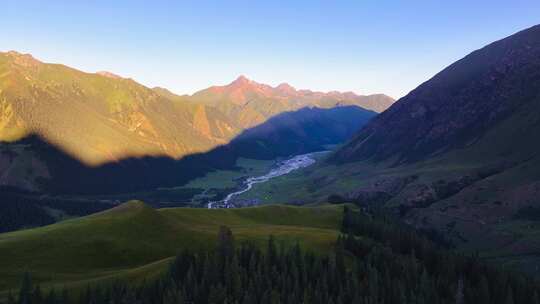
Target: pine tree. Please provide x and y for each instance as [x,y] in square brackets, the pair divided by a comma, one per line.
[307,298]
[173,296]
[217,295]
[37,296]
[225,246]
[85,297]
[65,297]
[509,296]
[460,298]
[373,283]
[25,293]
[274,297]
[248,298]
[271,252]
[535,299]
[51,297]
[234,280]
[131,297]
[347,219]
[483,291]
[10,298]
[340,257]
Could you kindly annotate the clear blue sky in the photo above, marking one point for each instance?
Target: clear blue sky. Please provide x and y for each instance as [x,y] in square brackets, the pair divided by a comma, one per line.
[365,46]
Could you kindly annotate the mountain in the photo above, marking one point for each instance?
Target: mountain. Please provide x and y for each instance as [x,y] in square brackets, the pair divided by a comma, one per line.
[494,90]
[295,132]
[250,103]
[99,118]
[458,155]
[114,132]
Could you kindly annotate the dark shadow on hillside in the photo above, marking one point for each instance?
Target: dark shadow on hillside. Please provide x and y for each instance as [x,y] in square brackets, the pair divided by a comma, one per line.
[301,131]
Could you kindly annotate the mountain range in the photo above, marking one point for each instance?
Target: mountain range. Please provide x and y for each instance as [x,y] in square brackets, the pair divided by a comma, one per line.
[101,118]
[250,103]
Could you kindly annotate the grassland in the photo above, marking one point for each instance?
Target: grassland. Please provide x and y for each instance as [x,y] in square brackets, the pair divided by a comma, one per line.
[295,187]
[134,241]
[224,179]
[216,184]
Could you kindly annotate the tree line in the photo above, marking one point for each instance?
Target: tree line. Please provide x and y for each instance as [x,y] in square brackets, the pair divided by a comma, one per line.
[19,209]
[373,262]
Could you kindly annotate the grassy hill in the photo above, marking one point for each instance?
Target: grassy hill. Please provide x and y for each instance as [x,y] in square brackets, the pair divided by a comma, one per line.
[134,241]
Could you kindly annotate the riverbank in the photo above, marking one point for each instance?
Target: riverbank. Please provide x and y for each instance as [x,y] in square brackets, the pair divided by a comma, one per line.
[282,168]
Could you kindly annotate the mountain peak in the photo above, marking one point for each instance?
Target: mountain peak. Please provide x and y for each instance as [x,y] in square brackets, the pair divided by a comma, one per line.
[108,75]
[13,53]
[21,59]
[285,88]
[241,80]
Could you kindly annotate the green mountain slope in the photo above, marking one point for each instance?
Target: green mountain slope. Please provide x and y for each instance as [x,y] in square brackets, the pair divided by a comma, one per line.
[134,240]
[98,118]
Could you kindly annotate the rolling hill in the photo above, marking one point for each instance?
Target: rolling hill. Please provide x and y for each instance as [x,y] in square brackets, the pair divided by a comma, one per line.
[134,241]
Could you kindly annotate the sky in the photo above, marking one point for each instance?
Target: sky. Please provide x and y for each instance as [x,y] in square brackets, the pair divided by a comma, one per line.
[364,46]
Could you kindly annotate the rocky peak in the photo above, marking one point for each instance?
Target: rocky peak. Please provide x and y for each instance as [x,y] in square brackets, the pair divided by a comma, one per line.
[286,89]
[241,81]
[108,75]
[25,60]
[243,85]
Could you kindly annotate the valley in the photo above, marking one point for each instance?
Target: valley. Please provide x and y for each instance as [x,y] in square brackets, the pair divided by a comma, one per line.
[171,177]
[281,168]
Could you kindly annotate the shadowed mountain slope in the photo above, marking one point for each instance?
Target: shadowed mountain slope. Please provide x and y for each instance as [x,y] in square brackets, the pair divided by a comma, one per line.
[494,89]
[301,131]
[35,164]
[459,154]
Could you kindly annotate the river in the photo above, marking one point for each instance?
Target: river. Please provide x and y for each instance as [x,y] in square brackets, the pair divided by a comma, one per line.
[282,168]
